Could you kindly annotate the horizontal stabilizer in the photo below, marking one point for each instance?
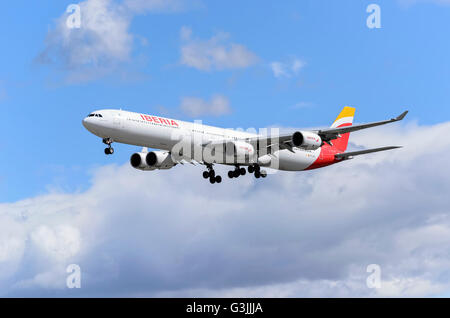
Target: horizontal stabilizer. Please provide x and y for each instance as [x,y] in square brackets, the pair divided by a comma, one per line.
[348,155]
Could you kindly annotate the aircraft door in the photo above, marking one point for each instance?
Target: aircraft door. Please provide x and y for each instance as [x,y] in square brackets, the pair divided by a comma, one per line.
[118,123]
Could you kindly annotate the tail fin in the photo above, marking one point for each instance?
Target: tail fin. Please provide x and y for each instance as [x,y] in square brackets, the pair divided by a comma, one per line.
[344,119]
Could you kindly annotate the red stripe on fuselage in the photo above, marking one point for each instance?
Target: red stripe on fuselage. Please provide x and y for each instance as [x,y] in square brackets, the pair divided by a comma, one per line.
[327,152]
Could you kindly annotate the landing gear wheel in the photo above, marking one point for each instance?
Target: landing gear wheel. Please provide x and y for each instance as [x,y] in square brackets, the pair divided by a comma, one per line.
[263,174]
[236,173]
[109,151]
[242,171]
[211,174]
[218,179]
[230,174]
[250,169]
[257,168]
[257,174]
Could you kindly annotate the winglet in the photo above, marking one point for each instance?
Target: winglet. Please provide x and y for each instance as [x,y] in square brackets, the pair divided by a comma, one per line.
[401,116]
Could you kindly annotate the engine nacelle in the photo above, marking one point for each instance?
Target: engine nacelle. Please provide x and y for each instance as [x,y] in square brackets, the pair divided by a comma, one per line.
[306,140]
[265,160]
[138,161]
[152,160]
[241,150]
[160,160]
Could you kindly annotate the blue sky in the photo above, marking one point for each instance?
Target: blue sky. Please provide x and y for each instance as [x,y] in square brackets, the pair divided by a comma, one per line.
[380,71]
[294,64]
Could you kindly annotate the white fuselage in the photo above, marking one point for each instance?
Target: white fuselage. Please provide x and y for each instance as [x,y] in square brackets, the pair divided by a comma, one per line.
[164,133]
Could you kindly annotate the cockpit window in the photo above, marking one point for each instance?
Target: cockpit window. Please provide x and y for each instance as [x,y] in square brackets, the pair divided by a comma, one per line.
[95,115]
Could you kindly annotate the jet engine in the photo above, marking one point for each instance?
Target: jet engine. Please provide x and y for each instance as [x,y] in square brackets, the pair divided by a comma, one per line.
[152,160]
[306,140]
[160,160]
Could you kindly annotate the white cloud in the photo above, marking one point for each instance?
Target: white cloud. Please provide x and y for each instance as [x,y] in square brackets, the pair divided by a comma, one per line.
[297,65]
[185,33]
[216,53]
[194,106]
[103,37]
[171,233]
[103,41]
[287,69]
[278,69]
[61,242]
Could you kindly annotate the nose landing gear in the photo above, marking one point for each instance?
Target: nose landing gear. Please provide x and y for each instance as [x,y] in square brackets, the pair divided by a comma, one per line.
[109,150]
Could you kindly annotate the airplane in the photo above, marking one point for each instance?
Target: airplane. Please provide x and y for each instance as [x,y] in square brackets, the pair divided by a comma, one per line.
[178,142]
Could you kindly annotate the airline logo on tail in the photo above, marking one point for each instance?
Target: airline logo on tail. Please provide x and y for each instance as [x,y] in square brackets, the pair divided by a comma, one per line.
[345,118]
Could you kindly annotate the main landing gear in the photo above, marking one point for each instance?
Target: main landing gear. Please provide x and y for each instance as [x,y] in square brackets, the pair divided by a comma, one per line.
[256,169]
[109,150]
[237,172]
[211,174]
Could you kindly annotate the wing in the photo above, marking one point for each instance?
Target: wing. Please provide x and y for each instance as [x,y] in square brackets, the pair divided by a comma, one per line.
[333,133]
[285,141]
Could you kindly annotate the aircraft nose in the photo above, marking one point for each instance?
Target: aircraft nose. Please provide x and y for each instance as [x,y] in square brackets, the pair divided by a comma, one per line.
[84,122]
[88,124]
